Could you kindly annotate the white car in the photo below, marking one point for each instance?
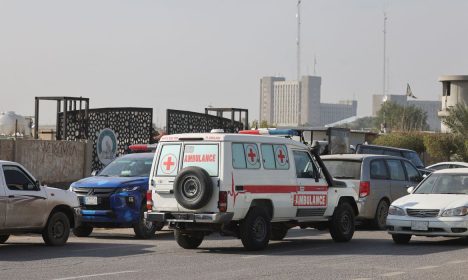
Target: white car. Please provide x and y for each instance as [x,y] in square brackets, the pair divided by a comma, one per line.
[438,206]
[447,165]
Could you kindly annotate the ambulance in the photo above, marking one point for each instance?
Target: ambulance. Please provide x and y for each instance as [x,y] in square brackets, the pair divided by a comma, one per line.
[253,187]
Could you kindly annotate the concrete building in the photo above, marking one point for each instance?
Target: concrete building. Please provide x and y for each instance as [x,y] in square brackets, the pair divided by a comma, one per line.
[430,107]
[454,91]
[295,103]
[331,113]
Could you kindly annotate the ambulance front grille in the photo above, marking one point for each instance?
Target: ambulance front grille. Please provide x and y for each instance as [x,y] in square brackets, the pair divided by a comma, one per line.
[307,212]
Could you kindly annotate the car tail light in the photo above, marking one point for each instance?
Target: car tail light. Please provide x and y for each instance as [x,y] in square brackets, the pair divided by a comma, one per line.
[364,188]
[149,200]
[222,202]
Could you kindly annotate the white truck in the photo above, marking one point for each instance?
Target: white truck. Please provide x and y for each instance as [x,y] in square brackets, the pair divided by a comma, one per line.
[28,207]
[249,186]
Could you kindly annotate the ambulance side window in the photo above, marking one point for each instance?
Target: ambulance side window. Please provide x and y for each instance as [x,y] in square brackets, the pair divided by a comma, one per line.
[245,156]
[268,157]
[275,157]
[238,158]
[168,160]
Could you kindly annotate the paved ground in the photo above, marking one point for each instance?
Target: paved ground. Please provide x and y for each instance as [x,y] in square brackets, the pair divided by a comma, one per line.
[304,254]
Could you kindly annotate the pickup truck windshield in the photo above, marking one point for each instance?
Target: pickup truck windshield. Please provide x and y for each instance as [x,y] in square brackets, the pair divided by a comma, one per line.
[128,167]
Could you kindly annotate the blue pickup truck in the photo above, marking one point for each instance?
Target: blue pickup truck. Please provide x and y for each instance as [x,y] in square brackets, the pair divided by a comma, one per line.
[116,197]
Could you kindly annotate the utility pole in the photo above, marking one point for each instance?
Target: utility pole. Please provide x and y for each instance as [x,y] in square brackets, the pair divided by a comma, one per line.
[298,57]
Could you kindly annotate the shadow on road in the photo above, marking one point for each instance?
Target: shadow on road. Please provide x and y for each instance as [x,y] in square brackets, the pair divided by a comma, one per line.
[297,246]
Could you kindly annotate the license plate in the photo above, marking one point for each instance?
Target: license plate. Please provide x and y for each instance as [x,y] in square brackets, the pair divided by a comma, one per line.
[419,225]
[90,200]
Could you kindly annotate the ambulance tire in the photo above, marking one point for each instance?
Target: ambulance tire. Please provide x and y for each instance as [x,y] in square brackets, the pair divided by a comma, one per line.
[188,240]
[255,229]
[342,223]
[4,238]
[193,187]
[278,232]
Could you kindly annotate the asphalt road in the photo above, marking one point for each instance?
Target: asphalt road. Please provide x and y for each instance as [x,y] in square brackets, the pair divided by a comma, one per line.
[304,254]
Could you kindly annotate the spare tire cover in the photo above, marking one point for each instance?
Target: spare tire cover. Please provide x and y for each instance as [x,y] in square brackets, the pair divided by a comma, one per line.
[193,187]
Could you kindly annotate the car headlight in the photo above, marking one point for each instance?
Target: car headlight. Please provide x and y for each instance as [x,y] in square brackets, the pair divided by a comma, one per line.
[128,189]
[396,211]
[459,211]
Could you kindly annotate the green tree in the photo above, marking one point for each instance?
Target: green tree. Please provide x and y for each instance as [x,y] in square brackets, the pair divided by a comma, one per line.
[402,118]
[408,140]
[440,146]
[457,120]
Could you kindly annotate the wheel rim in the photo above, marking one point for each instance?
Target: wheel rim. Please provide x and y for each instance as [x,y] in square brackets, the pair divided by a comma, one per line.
[58,230]
[191,187]
[146,224]
[259,229]
[346,223]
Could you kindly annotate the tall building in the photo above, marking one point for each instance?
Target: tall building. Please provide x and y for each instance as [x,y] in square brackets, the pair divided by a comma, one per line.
[430,107]
[454,91]
[296,103]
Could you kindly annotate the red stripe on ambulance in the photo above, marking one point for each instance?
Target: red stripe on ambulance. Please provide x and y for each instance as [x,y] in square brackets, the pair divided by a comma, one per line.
[282,189]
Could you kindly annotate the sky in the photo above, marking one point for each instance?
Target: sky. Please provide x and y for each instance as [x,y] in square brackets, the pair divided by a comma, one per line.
[186,55]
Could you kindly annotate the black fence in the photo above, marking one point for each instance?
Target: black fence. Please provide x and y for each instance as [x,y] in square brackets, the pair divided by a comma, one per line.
[131,126]
[191,122]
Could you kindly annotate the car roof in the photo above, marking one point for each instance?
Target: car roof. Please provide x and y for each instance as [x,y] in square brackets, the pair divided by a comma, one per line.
[138,155]
[359,156]
[7,162]
[452,171]
[450,162]
[385,147]
[230,137]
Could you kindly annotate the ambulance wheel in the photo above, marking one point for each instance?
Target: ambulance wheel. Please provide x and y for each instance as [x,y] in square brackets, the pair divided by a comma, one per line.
[144,229]
[83,231]
[278,232]
[4,238]
[188,240]
[401,238]
[342,223]
[255,229]
[193,187]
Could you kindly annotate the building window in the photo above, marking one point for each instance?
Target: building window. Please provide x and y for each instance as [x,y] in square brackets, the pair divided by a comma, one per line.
[446,88]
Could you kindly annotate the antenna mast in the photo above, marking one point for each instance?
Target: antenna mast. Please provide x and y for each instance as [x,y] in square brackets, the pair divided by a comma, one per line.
[384,88]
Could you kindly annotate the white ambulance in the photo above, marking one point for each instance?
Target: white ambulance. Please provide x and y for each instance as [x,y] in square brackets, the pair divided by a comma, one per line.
[249,186]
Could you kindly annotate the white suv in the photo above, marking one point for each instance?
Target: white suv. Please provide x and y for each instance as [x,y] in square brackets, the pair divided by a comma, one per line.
[251,187]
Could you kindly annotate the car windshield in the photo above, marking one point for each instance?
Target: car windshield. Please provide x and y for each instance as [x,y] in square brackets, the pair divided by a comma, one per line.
[444,184]
[128,167]
[414,158]
[343,169]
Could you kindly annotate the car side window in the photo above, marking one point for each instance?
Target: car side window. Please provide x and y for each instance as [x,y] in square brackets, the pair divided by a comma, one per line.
[396,170]
[238,158]
[275,156]
[17,180]
[268,157]
[392,153]
[441,166]
[413,174]
[378,170]
[305,167]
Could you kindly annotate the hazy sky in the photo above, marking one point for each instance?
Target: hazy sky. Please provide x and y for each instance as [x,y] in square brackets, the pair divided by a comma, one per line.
[186,54]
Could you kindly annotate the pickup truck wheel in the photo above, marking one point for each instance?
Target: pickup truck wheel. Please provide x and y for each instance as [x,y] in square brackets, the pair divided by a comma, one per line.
[83,231]
[4,238]
[278,232]
[144,229]
[381,213]
[342,223]
[57,229]
[188,240]
[193,187]
[401,238]
[255,229]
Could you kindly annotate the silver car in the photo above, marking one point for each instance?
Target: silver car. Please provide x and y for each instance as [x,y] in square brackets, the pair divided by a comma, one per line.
[378,179]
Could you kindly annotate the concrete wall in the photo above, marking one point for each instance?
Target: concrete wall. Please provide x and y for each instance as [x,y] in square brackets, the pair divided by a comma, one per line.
[56,163]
